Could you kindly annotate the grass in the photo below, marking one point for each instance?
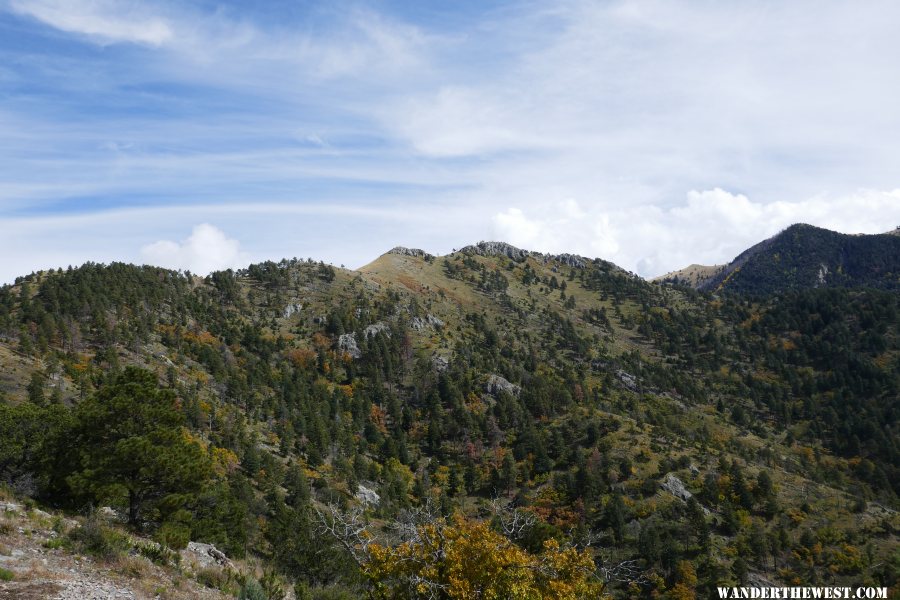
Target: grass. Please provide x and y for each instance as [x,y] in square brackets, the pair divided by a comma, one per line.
[6,574]
[218,579]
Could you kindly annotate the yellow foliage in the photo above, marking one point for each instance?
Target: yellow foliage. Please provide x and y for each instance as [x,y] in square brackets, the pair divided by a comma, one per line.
[224,461]
[681,591]
[466,560]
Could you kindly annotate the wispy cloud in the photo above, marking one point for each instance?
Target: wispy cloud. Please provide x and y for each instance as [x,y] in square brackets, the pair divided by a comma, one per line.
[106,21]
[521,121]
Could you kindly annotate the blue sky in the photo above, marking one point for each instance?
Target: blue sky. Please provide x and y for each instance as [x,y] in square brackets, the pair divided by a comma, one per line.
[202,135]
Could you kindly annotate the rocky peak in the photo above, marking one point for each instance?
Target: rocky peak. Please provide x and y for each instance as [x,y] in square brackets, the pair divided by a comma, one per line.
[571,260]
[403,251]
[497,249]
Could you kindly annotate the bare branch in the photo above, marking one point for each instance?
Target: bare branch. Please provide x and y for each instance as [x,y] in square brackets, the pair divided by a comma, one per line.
[514,523]
[350,529]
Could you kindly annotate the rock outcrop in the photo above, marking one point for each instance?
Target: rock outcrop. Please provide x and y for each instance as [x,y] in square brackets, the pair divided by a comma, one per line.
[495,385]
[378,327]
[497,249]
[347,343]
[367,496]
[420,323]
[292,309]
[205,556]
[403,251]
[675,486]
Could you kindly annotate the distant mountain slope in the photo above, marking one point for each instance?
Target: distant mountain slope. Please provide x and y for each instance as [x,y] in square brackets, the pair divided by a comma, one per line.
[803,257]
[693,275]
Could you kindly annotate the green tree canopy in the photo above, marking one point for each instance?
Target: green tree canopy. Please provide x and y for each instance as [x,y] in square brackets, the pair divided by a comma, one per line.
[133,449]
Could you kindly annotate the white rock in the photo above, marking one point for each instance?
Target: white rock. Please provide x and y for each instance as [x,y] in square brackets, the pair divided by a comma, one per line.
[367,496]
[347,343]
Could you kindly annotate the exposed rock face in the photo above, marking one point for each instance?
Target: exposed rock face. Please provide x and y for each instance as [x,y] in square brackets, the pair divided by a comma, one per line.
[292,309]
[411,252]
[571,260]
[627,379]
[440,363]
[419,323]
[347,343]
[497,249]
[495,385]
[378,327]
[675,486]
[517,254]
[205,556]
[367,496]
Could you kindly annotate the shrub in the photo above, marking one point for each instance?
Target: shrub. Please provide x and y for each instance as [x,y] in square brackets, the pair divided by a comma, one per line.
[159,554]
[251,590]
[173,535]
[96,539]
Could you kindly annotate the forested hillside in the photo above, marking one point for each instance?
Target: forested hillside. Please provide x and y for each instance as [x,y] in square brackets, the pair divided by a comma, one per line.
[802,257]
[495,419]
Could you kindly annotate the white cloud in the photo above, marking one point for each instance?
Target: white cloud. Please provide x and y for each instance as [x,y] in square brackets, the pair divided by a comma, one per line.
[107,21]
[207,249]
[710,227]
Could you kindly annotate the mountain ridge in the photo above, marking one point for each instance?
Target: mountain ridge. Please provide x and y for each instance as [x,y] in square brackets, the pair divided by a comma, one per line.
[598,403]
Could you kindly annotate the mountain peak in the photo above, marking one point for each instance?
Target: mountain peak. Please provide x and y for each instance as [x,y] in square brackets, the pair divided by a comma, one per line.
[497,249]
[404,251]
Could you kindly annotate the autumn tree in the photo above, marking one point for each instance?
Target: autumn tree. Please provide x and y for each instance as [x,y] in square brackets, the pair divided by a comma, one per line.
[458,558]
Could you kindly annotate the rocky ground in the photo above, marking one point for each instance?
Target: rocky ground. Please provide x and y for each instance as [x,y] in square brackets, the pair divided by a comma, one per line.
[39,567]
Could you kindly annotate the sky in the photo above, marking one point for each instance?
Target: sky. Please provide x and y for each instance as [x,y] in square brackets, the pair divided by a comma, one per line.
[203,135]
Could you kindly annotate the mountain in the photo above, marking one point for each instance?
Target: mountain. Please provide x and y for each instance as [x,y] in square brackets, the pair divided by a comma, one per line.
[801,257]
[694,276]
[306,419]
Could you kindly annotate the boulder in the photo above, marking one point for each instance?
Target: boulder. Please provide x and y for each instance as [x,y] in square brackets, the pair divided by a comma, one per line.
[675,486]
[205,556]
[495,385]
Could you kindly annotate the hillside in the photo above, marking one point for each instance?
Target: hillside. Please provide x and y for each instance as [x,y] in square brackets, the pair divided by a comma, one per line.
[660,432]
[803,256]
[694,276]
